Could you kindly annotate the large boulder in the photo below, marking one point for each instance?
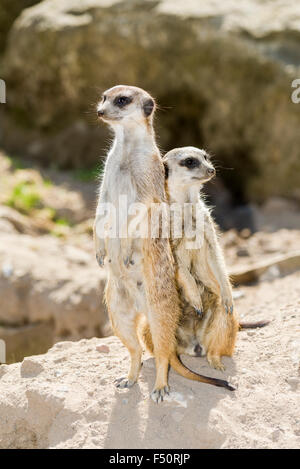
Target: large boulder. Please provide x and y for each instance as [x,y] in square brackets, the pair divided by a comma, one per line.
[221,73]
[67,397]
[46,281]
[9,10]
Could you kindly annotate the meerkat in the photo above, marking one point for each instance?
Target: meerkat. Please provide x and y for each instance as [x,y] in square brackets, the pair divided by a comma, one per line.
[209,321]
[208,324]
[140,271]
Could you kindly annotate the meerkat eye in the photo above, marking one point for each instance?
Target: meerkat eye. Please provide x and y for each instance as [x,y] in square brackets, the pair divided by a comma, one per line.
[190,163]
[122,101]
[103,98]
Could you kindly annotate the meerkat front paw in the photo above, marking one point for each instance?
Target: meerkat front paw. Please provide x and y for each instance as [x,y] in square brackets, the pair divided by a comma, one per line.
[128,261]
[100,256]
[127,258]
[124,382]
[100,249]
[227,302]
[228,306]
[199,312]
[157,395]
[198,307]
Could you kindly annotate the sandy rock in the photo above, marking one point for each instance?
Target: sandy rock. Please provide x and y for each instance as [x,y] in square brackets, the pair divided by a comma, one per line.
[3,370]
[267,270]
[277,213]
[70,401]
[102,349]
[293,382]
[6,227]
[30,368]
[17,222]
[242,48]
[42,279]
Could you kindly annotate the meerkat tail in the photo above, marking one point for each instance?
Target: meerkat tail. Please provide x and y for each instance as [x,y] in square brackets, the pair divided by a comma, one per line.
[187,373]
[175,362]
[253,325]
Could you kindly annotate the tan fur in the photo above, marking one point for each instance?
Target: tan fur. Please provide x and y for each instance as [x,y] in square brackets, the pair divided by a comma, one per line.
[141,274]
[215,331]
[202,277]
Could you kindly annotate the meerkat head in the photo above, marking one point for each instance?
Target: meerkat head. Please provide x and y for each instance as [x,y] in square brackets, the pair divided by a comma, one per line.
[188,166]
[126,105]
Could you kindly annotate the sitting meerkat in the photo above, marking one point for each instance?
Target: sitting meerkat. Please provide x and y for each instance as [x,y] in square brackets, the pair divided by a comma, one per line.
[208,324]
[140,271]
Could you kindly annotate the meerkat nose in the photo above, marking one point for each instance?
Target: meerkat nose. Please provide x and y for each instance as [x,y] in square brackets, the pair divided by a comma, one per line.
[211,171]
[100,113]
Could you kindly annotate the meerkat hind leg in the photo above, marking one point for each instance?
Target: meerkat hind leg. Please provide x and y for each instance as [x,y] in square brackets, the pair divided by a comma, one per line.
[215,361]
[125,327]
[134,370]
[160,388]
[135,351]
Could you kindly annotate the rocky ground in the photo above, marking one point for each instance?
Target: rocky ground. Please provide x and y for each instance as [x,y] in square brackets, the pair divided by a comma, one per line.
[67,399]
[49,278]
[50,283]
[51,290]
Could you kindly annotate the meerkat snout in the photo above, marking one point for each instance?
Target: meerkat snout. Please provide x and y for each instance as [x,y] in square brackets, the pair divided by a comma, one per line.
[211,171]
[127,104]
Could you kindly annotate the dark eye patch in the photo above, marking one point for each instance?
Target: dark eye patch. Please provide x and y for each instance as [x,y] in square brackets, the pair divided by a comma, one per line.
[122,101]
[190,163]
[103,98]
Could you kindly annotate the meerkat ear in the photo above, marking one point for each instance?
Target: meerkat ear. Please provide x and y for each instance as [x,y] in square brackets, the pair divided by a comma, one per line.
[148,106]
[166,169]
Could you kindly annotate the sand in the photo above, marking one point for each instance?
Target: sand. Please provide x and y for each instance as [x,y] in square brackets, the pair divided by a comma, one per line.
[67,398]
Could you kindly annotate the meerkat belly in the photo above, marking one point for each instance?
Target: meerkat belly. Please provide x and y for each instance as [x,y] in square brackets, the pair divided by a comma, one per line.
[129,279]
[121,194]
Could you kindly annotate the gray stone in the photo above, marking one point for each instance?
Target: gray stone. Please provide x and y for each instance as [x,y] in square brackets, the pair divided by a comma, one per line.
[219,70]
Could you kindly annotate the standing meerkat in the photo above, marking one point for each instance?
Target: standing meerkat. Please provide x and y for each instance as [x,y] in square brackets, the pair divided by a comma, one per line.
[141,275]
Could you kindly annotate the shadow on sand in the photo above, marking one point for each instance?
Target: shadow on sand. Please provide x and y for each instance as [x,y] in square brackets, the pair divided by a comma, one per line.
[187,420]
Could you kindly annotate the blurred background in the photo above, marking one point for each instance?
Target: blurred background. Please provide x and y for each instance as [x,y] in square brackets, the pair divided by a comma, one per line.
[221,73]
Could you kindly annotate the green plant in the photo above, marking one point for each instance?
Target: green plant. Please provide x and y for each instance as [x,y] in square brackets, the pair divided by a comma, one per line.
[89,174]
[61,222]
[24,197]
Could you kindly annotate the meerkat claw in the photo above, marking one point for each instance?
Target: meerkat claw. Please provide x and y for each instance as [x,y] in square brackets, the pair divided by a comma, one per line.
[199,312]
[231,309]
[123,383]
[100,259]
[158,394]
[127,261]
